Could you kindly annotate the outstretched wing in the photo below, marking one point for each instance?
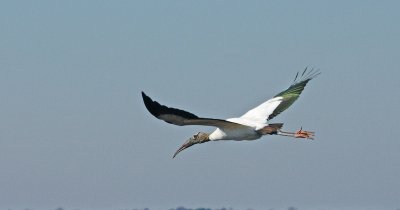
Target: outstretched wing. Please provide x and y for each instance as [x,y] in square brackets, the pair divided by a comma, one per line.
[181,117]
[282,100]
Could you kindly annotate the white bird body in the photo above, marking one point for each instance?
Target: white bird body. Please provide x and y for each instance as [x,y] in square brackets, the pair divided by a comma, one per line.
[250,126]
[255,119]
[244,133]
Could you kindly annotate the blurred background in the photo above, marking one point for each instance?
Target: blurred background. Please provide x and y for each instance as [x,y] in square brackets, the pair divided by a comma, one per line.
[74,131]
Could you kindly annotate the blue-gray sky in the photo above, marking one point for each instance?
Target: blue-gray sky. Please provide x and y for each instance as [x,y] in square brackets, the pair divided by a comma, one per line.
[75,133]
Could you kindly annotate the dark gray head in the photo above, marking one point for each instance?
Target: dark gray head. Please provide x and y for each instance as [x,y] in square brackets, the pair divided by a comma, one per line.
[198,138]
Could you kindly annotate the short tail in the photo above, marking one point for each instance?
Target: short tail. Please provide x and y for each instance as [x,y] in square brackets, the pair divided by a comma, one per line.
[270,129]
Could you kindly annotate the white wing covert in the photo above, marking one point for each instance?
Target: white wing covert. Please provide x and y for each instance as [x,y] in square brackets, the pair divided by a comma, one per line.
[261,113]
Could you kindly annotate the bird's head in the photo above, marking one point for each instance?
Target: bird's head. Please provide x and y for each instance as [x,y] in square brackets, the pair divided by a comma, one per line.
[198,138]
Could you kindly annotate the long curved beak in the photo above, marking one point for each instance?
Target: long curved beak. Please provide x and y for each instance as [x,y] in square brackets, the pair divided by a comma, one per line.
[186,145]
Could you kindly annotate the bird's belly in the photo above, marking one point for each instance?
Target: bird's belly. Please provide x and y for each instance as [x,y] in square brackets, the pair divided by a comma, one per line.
[234,134]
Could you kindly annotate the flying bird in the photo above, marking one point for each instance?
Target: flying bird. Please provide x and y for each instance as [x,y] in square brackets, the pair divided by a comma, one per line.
[250,126]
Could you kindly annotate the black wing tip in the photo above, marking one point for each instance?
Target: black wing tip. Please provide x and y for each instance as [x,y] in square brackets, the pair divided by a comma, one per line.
[306,75]
[300,81]
[152,106]
[156,109]
[144,96]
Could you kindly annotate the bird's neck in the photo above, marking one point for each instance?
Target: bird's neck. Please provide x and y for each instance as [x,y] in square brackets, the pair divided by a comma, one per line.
[203,137]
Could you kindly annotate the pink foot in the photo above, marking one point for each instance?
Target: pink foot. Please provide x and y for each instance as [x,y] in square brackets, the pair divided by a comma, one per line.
[304,134]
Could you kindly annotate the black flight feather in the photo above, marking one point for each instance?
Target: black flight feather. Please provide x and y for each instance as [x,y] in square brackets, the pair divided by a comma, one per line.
[181,117]
[157,109]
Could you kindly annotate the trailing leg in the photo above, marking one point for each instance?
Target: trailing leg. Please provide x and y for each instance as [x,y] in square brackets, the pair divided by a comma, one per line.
[298,134]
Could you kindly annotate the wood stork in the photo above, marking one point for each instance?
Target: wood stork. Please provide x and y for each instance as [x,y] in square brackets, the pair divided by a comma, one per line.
[250,126]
